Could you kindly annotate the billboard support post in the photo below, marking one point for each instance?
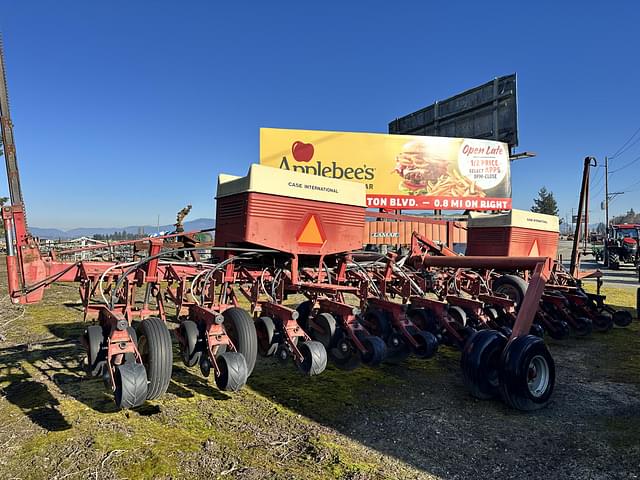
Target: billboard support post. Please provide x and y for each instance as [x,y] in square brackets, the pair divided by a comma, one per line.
[606,195]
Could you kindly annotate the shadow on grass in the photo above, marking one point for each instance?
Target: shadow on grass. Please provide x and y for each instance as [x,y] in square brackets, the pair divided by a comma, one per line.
[184,384]
[60,362]
[74,306]
[31,396]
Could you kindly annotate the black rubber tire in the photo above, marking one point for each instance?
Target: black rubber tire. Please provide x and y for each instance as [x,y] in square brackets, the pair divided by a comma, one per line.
[492,314]
[559,330]
[131,385]
[536,330]
[427,343]
[375,352]
[325,333]
[233,371]
[515,379]
[266,331]
[622,318]
[347,359]
[304,310]
[133,334]
[190,353]
[397,349]
[425,320]
[583,327]
[602,322]
[156,350]
[513,286]
[377,323]
[242,331]
[614,261]
[506,331]
[315,358]
[96,353]
[205,365]
[458,315]
[465,332]
[480,363]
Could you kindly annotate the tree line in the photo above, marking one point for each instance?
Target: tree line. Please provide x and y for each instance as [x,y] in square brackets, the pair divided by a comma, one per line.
[123,235]
[629,217]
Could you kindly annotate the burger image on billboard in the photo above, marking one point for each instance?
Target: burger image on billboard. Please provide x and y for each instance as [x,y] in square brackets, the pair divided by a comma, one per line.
[420,163]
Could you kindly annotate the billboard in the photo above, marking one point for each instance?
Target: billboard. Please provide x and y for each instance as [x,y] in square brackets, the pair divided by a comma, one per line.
[488,111]
[400,172]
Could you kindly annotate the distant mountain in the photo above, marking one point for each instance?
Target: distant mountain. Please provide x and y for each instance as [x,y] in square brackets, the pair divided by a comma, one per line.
[54,233]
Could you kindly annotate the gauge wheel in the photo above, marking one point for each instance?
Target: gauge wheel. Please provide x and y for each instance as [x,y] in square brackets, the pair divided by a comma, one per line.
[480,363]
[130,380]
[314,358]
[233,373]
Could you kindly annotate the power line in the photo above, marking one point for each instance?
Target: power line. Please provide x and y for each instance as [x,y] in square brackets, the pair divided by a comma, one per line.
[629,146]
[618,152]
[626,189]
[595,195]
[597,181]
[625,165]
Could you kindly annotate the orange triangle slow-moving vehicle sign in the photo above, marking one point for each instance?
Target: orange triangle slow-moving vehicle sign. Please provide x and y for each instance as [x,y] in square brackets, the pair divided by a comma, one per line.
[311,232]
[535,251]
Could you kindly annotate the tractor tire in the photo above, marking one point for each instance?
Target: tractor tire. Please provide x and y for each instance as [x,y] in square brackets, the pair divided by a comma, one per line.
[155,347]
[131,385]
[614,261]
[480,363]
[527,374]
[189,351]
[242,331]
[315,358]
[512,286]
[233,371]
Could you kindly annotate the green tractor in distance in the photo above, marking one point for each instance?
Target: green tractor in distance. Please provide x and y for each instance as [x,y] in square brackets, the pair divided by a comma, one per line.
[622,246]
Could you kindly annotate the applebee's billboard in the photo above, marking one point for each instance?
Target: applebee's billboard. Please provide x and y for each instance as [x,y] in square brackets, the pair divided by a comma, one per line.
[399,171]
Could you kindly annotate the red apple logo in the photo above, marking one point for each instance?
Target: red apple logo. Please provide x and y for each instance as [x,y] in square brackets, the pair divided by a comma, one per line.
[302,152]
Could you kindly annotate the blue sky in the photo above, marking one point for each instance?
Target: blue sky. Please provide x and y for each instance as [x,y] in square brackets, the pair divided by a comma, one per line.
[125,110]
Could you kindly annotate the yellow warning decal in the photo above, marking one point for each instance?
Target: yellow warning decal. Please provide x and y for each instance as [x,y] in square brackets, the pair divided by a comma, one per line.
[311,233]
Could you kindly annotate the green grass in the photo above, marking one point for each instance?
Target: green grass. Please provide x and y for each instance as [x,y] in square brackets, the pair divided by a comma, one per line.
[280,426]
[195,431]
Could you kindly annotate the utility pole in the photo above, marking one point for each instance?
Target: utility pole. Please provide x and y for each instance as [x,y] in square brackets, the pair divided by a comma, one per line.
[606,196]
